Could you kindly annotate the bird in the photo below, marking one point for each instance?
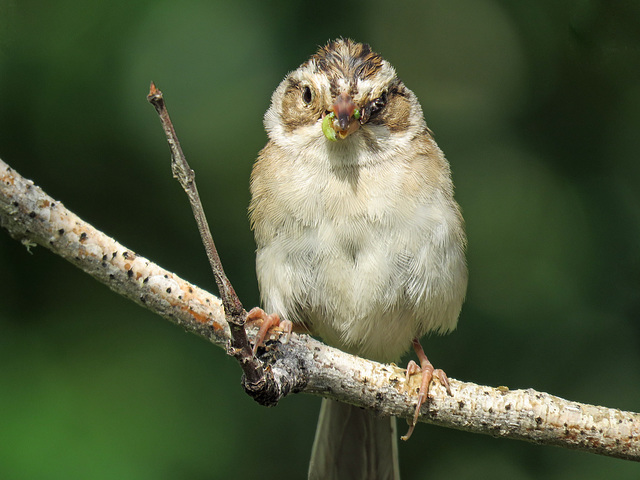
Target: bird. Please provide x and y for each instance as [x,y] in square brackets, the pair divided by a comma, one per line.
[359,238]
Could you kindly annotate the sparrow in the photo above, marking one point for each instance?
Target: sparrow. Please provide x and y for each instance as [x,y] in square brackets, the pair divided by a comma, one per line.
[359,238]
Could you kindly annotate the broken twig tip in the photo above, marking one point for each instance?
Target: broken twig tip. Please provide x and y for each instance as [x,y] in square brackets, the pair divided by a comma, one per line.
[155,96]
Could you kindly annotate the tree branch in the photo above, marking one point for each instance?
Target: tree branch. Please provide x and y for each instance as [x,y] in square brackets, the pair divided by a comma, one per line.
[304,364]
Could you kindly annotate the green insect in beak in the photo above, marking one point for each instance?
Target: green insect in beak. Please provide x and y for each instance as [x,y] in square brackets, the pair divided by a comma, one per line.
[327,127]
[327,124]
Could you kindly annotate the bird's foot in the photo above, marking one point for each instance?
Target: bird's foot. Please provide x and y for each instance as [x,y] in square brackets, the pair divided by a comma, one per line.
[268,320]
[428,373]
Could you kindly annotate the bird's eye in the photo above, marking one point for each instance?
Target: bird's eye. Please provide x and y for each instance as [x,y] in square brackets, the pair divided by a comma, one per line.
[379,103]
[307,95]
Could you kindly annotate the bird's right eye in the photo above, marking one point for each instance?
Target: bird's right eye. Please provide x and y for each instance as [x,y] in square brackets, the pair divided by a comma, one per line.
[307,95]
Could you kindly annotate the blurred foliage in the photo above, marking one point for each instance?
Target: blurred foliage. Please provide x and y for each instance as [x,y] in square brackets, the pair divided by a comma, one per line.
[537,105]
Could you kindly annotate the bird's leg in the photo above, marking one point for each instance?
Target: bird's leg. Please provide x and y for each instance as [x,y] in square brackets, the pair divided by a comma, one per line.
[268,320]
[428,372]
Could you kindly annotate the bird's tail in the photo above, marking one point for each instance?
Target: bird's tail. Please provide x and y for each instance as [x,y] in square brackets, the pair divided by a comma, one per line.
[352,443]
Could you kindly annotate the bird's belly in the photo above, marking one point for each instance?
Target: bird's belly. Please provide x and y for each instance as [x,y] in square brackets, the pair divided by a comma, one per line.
[360,285]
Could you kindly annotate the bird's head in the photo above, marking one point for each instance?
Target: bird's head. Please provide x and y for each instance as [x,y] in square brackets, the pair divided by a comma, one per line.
[343,90]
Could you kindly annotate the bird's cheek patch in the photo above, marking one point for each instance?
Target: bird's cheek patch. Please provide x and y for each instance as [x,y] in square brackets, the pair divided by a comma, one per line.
[294,115]
[396,115]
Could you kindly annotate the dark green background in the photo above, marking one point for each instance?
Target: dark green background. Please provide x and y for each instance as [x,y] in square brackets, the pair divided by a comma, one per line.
[537,106]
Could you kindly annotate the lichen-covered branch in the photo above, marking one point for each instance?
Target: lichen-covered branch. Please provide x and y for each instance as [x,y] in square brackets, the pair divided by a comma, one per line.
[304,364]
[33,217]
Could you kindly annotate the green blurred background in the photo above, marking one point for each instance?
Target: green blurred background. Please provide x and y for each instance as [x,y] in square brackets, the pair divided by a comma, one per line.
[537,106]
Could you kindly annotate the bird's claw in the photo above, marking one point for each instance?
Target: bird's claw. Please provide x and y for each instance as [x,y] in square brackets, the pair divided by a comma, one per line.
[428,374]
[268,320]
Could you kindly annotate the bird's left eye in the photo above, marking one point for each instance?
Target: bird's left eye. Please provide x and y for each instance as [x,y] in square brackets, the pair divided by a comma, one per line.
[307,95]
[379,103]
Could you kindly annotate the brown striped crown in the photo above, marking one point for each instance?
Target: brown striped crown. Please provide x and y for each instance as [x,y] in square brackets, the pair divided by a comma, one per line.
[347,59]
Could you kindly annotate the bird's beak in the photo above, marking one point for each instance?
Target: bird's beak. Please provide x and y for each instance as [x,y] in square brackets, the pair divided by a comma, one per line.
[342,119]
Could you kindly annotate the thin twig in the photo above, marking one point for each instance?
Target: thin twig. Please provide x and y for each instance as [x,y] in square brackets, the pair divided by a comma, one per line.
[257,381]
